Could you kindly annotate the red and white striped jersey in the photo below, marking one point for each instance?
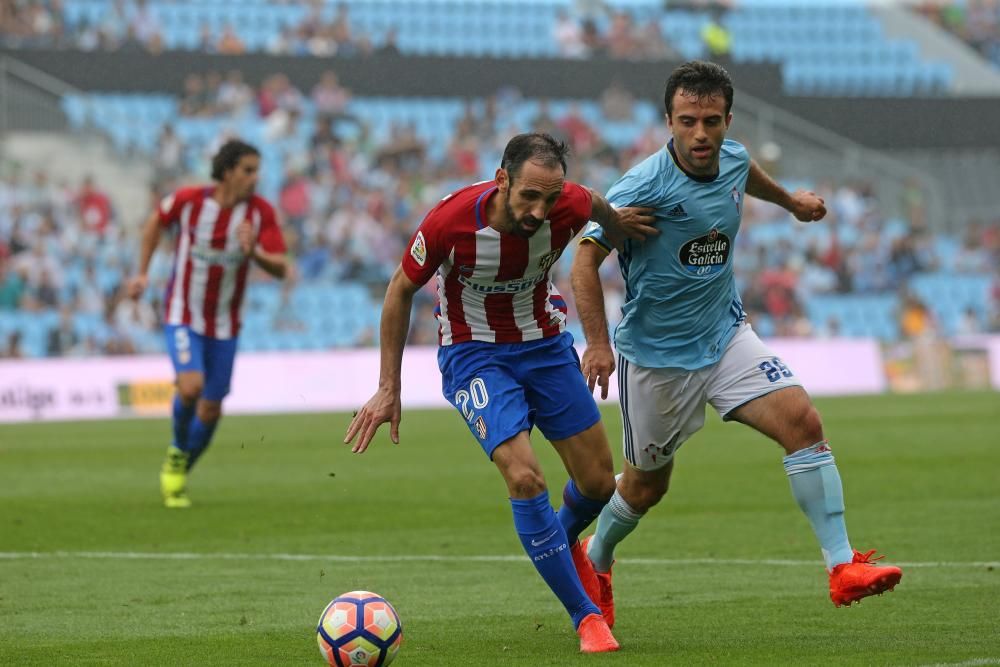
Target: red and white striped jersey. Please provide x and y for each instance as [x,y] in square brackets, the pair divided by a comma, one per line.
[494,287]
[210,271]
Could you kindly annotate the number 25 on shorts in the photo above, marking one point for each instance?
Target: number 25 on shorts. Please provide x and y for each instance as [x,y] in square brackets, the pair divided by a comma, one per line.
[774,369]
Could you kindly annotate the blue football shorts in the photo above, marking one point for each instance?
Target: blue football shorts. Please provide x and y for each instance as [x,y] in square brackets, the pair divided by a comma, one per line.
[501,389]
[212,357]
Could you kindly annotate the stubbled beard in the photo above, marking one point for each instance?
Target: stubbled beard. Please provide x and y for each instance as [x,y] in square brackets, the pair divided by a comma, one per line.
[514,225]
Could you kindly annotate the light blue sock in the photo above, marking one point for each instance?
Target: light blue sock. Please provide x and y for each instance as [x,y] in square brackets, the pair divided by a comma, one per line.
[182,423]
[817,488]
[615,522]
[545,542]
[578,511]
[199,436]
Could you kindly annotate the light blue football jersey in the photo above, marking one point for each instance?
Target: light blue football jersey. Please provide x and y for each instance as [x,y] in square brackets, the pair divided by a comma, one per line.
[681,303]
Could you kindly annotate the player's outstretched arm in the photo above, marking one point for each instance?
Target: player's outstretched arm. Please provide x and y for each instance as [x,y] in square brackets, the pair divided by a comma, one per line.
[385,405]
[806,206]
[598,359]
[151,230]
[624,223]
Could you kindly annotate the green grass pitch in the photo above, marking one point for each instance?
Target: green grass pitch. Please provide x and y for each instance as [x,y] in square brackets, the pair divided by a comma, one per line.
[94,571]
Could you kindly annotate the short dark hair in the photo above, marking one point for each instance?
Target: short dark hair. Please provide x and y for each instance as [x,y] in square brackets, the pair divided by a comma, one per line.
[701,78]
[229,155]
[535,146]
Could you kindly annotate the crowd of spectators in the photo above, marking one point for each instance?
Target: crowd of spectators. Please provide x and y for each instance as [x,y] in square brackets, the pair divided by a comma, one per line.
[602,33]
[977,22]
[63,252]
[585,29]
[595,29]
[31,23]
[136,25]
[350,198]
[126,25]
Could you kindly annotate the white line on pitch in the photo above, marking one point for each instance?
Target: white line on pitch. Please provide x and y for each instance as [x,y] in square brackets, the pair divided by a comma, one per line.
[432,558]
[975,662]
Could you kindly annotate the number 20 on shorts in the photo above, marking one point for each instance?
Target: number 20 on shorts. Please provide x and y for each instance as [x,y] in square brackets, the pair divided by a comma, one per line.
[477,394]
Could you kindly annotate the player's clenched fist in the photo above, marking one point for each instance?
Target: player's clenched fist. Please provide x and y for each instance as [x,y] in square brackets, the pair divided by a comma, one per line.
[136,286]
[808,206]
[246,237]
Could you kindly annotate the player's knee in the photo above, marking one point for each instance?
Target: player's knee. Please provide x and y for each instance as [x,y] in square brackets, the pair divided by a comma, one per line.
[597,489]
[525,483]
[643,494]
[805,429]
[597,483]
[209,411]
[810,426]
[190,390]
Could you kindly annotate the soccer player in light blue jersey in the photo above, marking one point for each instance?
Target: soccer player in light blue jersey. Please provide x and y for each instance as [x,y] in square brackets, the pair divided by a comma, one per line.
[684,340]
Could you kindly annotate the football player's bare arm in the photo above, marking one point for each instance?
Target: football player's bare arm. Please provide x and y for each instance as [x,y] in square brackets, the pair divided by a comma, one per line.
[598,359]
[274,263]
[151,231]
[805,205]
[384,406]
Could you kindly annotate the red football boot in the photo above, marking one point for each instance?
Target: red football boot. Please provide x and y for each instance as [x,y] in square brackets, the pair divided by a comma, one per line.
[585,570]
[605,598]
[595,635]
[849,582]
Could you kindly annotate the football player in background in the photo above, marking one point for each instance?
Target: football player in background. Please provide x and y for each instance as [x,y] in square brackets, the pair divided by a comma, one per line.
[220,228]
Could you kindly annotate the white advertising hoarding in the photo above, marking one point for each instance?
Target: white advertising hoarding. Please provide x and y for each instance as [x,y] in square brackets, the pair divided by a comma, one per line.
[338,380]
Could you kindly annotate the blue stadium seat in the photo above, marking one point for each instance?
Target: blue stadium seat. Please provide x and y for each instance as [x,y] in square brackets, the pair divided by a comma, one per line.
[783,33]
[857,315]
[948,295]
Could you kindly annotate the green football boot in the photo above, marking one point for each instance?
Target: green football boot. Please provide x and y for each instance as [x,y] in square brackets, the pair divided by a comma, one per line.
[173,479]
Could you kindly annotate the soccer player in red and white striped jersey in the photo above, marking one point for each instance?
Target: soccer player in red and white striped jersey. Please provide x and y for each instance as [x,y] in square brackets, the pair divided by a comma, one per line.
[506,360]
[494,287]
[219,229]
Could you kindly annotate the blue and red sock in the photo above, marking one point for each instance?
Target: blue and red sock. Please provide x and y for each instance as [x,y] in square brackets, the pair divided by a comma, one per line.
[578,511]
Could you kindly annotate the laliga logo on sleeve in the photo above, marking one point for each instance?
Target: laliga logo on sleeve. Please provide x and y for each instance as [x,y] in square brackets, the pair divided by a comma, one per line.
[166,204]
[418,251]
[736,199]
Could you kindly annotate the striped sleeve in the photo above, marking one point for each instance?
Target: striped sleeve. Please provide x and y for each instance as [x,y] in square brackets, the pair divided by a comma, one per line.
[428,248]
[270,237]
[578,202]
[170,206]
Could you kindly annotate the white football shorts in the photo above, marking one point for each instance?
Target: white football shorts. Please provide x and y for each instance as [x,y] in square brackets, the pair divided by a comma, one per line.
[663,407]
